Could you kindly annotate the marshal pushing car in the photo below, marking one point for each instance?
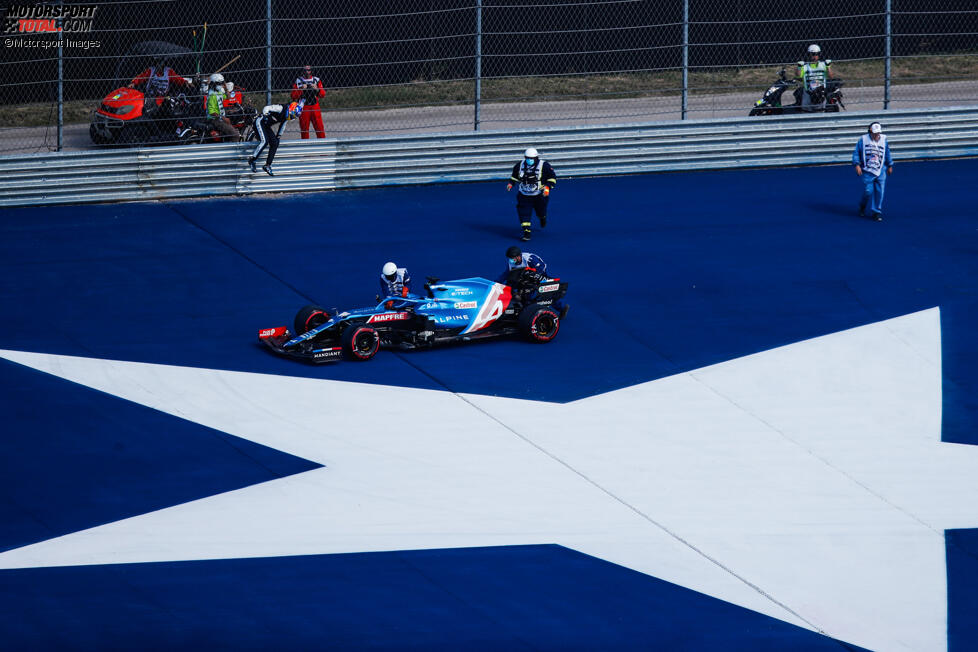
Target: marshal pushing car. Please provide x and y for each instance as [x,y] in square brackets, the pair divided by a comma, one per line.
[453,311]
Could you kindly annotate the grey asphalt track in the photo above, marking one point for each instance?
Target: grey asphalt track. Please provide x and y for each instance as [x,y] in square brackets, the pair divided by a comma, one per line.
[523,115]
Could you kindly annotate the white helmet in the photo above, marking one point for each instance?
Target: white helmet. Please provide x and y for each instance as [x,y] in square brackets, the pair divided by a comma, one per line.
[531,153]
[389,269]
[217,78]
[229,86]
[814,49]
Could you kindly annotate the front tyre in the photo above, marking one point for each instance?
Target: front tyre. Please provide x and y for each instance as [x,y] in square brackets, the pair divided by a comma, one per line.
[309,318]
[539,323]
[360,342]
[96,135]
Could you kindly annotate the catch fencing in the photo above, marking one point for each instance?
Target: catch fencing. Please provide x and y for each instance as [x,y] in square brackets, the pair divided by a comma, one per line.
[456,65]
[174,172]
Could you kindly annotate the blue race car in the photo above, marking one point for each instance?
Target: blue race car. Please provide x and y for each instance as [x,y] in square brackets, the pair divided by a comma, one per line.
[453,311]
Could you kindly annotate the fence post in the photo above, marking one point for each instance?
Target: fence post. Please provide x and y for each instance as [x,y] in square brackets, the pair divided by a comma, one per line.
[268,51]
[478,63]
[685,58]
[61,80]
[888,56]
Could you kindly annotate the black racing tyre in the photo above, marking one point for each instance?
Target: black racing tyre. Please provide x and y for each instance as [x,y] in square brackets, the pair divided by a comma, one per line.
[360,342]
[539,323]
[97,137]
[308,318]
[129,136]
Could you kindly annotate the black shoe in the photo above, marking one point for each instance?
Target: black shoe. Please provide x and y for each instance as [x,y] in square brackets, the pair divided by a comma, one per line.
[526,236]
[563,311]
[543,222]
[268,170]
[878,217]
[251,162]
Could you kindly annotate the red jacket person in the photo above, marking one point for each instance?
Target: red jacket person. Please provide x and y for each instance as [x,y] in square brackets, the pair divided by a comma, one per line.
[309,87]
[158,80]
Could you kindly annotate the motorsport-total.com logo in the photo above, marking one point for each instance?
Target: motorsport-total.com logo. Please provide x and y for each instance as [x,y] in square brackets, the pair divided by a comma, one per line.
[49,19]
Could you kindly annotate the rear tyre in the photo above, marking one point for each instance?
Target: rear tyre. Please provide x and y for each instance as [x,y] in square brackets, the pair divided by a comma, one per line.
[129,136]
[360,342]
[539,323]
[309,318]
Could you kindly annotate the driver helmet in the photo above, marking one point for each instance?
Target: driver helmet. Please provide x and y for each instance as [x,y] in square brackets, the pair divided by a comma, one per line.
[294,110]
[389,271]
[229,87]
[814,50]
[514,253]
[531,155]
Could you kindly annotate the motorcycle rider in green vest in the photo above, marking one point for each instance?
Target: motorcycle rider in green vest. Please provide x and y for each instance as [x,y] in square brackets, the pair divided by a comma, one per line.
[813,75]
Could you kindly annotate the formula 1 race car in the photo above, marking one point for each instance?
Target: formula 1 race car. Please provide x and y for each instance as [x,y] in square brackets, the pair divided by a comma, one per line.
[454,311]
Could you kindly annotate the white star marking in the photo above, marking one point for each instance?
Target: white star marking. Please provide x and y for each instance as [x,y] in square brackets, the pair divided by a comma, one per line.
[807,482]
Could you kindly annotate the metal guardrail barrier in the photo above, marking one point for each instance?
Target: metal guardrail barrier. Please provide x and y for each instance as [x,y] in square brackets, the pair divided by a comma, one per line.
[212,170]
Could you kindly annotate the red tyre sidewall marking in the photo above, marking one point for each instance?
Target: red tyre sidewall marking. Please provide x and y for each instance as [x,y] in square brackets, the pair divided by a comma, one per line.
[354,343]
[533,326]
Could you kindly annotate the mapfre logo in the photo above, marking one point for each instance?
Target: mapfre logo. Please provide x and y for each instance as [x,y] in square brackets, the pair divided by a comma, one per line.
[49,18]
[388,316]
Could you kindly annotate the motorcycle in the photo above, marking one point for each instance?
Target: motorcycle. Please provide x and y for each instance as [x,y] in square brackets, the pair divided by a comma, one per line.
[826,99]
